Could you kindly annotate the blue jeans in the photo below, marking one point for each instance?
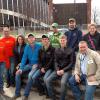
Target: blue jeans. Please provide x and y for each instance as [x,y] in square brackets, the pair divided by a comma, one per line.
[10,72]
[90,89]
[2,68]
[33,78]
[53,77]
[18,79]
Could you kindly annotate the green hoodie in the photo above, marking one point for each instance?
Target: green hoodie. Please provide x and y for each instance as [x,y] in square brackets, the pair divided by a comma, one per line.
[54,39]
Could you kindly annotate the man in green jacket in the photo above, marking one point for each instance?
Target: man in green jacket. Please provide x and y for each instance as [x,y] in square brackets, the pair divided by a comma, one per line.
[54,37]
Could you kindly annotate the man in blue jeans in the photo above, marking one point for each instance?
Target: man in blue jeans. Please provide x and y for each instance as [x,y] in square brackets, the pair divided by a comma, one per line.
[87,72]
[2,68]
[63,67]
[45,67]
[31,54]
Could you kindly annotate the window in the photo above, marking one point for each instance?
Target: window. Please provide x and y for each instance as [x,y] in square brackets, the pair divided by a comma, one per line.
[16,21]
[0,4]
[21,22]
[20,6]
[10,5]
[11,20]
[4,4]
[15,5]
[1,19]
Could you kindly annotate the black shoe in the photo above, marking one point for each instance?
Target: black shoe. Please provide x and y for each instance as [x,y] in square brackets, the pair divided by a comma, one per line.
[25,98]
[13,85]
[15,97]
[8,85]
[41,93]
[47,97]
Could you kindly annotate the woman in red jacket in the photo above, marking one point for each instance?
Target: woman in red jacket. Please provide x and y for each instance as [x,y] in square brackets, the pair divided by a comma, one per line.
[9,42]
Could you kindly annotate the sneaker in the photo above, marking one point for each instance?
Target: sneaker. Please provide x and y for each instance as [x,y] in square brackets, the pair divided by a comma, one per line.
[8,85]
[25,98]
[15,97]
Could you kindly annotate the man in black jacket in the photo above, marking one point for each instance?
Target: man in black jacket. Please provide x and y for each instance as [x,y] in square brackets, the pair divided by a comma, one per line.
[92,38]
[63,67]
[45,66]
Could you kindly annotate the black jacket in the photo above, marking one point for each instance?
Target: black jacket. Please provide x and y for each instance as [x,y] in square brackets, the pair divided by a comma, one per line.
[64,59]
[95,38]
[18,56]
[46,58]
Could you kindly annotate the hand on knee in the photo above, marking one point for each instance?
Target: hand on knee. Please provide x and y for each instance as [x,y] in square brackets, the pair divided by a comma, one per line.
[19,72]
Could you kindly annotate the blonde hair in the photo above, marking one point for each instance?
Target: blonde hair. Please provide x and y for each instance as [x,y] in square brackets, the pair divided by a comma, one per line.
[63,36]
[93,24]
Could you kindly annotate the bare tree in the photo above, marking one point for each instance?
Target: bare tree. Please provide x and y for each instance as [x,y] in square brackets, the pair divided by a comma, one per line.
[96,15]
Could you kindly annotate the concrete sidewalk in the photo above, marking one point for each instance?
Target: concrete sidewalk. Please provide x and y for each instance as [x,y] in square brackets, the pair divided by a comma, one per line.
[33,95]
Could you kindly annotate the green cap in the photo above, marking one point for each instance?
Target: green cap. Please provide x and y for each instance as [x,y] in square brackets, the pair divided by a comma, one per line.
[55,25]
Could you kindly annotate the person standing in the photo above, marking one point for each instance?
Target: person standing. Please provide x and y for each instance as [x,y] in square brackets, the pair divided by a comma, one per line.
[54,37]
[74,35]
[87,72]
[9,42]
[92,38]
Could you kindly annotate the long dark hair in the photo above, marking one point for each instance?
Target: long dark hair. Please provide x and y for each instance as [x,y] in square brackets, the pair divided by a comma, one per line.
[17,44]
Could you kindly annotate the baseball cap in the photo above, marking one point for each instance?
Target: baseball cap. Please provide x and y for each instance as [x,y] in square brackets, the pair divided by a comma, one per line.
[45,36]
[30,34]
[55,25]
[72,20]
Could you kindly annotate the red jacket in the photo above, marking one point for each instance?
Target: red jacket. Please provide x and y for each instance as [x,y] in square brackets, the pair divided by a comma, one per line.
[2,52]
[9,43]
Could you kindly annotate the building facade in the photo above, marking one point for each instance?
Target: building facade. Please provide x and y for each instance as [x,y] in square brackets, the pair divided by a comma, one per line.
[62,12]
[26,12]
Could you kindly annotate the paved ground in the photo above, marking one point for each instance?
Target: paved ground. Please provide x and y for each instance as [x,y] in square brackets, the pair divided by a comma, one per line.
[33,96]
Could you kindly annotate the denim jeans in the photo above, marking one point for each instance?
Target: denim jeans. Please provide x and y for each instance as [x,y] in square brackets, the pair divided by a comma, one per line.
[53,77]
[10,72]
[33,78]
[18,79]
[2,68]
[90,89]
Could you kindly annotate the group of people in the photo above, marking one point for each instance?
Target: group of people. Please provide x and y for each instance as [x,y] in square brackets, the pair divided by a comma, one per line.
[69,57]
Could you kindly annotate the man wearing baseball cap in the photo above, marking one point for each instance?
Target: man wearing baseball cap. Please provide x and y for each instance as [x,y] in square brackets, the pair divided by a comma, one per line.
[72,20]
[30,54]
[74,34]
[45,66]
[54,38]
